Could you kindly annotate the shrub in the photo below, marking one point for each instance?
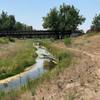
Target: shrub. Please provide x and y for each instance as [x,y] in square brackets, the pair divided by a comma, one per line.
[4,40]
[67,40]
[11,39]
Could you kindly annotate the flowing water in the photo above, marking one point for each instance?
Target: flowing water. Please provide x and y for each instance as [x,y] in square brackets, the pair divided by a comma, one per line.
[35,71]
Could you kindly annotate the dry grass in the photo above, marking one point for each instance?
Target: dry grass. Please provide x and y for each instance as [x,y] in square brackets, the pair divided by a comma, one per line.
[15,57]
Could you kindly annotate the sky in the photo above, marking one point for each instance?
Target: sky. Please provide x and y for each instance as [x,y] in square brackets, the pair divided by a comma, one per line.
[31,11]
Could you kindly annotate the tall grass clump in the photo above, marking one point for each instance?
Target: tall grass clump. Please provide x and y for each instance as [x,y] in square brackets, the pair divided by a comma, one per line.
[64,58]
[4,40]
[67,40]
[11,39]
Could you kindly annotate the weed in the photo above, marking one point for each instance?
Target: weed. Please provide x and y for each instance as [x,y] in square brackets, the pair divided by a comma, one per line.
[67,40]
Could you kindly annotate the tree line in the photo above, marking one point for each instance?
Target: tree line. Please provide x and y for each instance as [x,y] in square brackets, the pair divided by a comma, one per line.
[9,23]
[65,18]
[96,23]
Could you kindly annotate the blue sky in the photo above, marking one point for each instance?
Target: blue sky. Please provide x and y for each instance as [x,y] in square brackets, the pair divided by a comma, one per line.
[31,11]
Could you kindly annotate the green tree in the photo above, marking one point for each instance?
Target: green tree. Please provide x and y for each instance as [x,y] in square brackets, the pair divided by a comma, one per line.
[51,21]
[66,18]
[69,18]
[11,22]
[18,26]
[3,20]
[8,23]
[96,23]
[21,26]
[29,28]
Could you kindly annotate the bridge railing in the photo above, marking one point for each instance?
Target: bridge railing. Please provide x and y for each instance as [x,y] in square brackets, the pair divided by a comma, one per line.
[34,33]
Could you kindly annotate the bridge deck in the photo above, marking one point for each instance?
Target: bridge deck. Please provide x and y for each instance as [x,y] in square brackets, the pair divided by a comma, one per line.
[30,34]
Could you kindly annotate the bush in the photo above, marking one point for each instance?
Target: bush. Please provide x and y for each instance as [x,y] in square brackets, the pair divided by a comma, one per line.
[4,40]
[67,40]
[11,39]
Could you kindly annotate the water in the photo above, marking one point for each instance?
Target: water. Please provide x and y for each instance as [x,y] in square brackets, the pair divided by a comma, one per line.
[33,73]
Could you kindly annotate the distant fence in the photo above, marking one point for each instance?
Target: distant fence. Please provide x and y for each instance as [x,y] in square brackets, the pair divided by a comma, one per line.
[35,33]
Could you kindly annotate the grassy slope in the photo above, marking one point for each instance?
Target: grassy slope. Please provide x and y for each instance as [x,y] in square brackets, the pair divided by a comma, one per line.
[15,57]
[64,59]
[4,40]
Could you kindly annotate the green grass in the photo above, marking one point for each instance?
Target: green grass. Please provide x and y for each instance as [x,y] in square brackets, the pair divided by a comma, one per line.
[67,40]
[16,58]
[4,40]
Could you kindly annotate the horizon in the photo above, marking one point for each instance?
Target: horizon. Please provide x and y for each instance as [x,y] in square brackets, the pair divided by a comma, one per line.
[31,12]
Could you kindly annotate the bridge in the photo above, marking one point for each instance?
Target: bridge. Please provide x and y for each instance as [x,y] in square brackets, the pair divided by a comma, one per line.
[35,34]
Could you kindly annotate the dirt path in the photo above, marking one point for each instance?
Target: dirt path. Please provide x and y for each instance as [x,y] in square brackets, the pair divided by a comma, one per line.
[95,59]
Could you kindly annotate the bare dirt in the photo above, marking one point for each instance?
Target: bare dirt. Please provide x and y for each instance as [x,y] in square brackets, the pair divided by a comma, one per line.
[80,81]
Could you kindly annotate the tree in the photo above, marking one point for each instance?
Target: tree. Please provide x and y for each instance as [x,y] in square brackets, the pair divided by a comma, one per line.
[29,28]
[18,26]
[3,20]
[11,22]
[96,23]
[8,23]
[21,26]
[51,22]
[64,19]
[69,18]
